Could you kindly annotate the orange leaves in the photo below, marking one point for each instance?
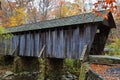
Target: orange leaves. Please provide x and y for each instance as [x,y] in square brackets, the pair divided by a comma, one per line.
[98,14]
[105,16]
[110,5]
[110,1]
[102,15]
[104,6]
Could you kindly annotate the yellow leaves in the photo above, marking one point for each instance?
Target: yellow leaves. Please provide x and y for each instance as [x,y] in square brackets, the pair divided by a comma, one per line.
[2,29]
[18,18]
[67,9]
[21,11]
[13,21]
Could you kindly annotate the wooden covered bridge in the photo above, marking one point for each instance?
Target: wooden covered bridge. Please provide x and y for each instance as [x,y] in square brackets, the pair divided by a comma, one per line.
[67,37]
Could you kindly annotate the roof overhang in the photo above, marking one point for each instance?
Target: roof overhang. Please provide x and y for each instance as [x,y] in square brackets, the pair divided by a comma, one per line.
[67,21]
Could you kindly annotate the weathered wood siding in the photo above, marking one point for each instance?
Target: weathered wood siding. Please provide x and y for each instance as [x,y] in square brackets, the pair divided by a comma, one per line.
[63,42]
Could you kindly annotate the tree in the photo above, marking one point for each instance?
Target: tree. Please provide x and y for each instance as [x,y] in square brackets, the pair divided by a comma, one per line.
[14,13]
[110,5]
[0,6]
[67,9]
[18,18]
[45,7]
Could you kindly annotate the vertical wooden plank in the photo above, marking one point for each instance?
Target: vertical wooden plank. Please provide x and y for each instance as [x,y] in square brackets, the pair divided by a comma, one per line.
[53,48]
[81,40]
[62,45]
[40,41]
[34,51]
[2,45]
[70,43]
[48,43]
[66,39]
[37,44]
[15,44]
[11,46]
[67,43]
[22,44]
[28,44]
[43,40]
[77,42]
[5,49]
[31,44]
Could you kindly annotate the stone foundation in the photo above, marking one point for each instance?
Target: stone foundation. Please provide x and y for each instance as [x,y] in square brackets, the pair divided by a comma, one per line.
[54,69]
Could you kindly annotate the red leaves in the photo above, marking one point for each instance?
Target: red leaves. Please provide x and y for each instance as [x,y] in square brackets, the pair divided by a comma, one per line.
[105,5]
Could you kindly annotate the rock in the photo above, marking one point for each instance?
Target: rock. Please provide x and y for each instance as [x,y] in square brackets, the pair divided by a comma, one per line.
[75,77]
[1,75]
[65,79]
[24,73]
[8,75]
[36,72]
[69,76]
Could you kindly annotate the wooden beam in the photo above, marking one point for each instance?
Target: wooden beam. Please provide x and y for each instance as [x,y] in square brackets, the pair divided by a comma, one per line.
[83,53]
[41,50]
[14,50]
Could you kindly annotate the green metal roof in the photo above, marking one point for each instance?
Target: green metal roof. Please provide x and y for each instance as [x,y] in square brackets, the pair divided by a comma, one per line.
[66,21]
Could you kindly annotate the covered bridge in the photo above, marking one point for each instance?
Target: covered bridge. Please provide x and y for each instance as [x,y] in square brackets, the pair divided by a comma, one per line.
[67,37]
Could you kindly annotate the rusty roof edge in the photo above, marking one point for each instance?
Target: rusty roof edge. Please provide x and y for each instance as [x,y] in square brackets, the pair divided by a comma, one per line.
[73,20]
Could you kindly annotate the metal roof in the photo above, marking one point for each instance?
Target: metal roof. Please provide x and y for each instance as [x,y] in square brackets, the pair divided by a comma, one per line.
[66,21]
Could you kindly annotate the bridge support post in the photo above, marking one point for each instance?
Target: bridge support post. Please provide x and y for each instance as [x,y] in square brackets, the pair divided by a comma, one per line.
[22,64]
[54,69]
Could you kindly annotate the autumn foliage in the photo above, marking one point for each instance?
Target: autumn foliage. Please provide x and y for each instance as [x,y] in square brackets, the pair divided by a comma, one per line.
[110,5]
[102,71]
[27,11]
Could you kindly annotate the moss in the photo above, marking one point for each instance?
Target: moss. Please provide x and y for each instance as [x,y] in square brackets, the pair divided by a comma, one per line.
[72,66]
[42,69]
[83,71]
